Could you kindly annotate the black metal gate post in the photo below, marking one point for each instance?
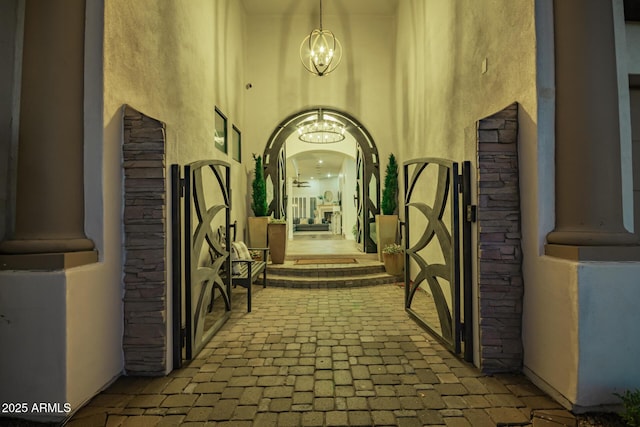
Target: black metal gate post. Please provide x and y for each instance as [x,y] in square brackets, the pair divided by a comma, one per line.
[178,325]
[469,212]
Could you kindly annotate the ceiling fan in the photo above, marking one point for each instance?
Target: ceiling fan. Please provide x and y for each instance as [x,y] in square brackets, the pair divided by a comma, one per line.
[299,184]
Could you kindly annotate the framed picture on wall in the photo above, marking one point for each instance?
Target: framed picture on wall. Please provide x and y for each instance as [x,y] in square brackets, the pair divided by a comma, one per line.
[220,134]
[236,144]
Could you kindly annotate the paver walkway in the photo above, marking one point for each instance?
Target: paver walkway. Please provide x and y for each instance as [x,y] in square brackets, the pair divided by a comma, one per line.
[313,357]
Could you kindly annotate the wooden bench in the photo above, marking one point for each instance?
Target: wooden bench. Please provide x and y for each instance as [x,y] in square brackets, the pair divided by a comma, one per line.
[246,272]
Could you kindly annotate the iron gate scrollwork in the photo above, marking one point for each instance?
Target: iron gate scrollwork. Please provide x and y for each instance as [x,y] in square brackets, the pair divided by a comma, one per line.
[366,202]
[437,246]
[200,286]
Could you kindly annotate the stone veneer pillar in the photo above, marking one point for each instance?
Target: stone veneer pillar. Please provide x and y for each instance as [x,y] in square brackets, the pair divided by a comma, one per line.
[49,225]
[145,264]
[500,284]
[589,221]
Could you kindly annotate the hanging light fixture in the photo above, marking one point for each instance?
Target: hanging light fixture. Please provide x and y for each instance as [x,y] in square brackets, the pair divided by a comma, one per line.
[323,129]
[320,51]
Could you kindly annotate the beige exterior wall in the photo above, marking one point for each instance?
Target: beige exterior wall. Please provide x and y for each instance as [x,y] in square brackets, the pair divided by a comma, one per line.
[281,86]
[456,63]
[441,90]
[63,326]
[441,87]
[175,62]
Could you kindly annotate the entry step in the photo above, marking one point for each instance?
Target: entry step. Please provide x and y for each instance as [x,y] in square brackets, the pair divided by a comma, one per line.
[283,281]
[324,270]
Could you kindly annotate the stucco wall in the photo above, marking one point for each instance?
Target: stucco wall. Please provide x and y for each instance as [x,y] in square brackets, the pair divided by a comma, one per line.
[33,337]
[458,62]
[63,327]
[550,304]
[281,85]
[443,50]
[608,319]
[607,291]
[177,61]
[159,58]
[441,87]
[577,313]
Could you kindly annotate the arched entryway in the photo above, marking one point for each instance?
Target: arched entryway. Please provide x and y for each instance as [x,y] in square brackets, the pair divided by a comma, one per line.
[367,188]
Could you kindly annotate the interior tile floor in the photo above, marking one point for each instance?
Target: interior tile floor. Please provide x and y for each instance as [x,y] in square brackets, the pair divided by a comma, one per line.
[321,243]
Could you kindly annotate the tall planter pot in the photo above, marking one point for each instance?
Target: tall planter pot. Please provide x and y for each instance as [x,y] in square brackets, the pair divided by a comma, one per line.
[277,242]
[257,228]
[386,231]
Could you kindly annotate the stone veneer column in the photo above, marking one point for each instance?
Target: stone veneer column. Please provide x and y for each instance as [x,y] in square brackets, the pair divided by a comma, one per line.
[145,264]
[500,285]
[49,223]
[588,173]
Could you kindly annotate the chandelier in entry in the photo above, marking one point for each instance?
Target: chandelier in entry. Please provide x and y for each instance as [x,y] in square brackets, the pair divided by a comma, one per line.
[323,129]
[320,51]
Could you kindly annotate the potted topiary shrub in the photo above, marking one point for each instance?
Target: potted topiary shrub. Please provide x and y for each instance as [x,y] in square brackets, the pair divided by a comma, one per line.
[257,225]
[387,223]
[393,258]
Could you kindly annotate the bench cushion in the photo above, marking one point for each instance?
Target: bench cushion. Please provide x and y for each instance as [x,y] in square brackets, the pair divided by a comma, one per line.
[239,251]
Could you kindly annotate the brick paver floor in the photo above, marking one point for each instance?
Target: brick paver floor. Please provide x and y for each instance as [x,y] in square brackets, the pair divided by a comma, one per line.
[314,357]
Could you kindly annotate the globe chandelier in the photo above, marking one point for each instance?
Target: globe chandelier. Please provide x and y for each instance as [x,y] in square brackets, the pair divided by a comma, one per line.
[320,51]
[323,129]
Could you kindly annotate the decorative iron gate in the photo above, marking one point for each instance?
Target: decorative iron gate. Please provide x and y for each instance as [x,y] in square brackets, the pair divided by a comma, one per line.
[438,250]
[201,293]
[367,206]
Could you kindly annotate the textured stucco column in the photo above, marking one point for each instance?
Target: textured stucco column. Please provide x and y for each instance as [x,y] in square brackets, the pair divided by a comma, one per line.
[588,174]
[50,189]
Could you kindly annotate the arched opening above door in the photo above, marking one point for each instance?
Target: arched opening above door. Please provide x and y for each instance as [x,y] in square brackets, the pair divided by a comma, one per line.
[358,145]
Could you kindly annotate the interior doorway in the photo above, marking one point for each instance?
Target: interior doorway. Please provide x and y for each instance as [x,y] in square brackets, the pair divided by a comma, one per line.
[322,174]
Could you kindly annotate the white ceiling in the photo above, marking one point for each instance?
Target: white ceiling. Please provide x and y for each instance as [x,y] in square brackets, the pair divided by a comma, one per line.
[330,7]
[316,164]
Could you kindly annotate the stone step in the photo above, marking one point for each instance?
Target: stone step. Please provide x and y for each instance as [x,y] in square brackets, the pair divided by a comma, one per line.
[324,270]
[346,281]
